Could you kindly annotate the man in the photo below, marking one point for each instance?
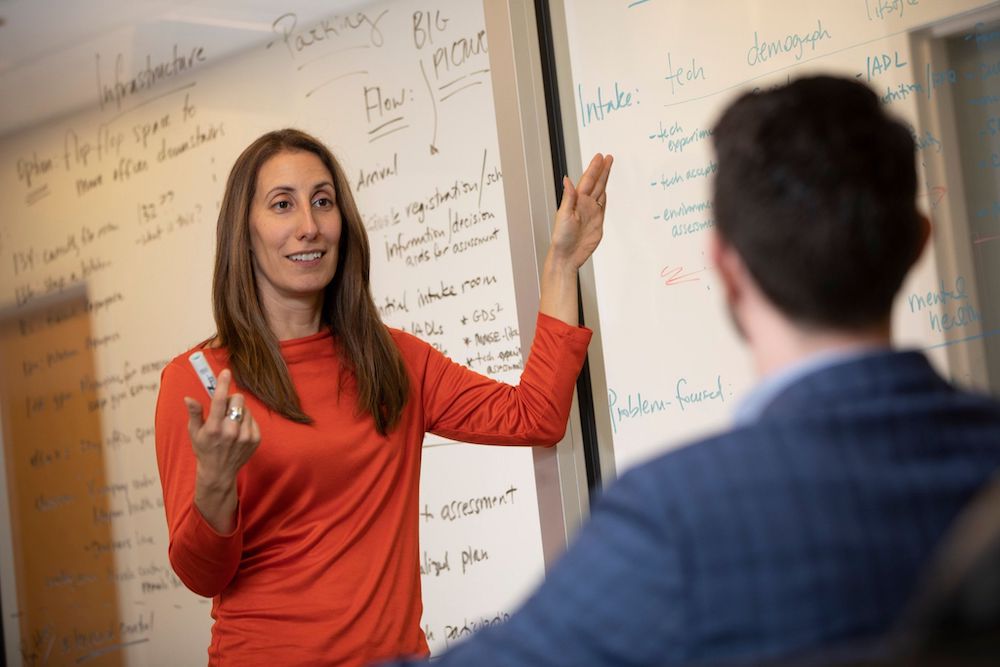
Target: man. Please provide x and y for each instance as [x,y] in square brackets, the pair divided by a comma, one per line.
[803,530]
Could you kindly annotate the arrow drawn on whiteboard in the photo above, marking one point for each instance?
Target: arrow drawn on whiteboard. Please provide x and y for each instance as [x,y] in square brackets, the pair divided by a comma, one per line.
[430,91]
[675,275]
[936,194]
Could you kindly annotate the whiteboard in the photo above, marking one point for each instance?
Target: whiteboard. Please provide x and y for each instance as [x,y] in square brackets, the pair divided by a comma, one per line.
[107,238]
[648,79]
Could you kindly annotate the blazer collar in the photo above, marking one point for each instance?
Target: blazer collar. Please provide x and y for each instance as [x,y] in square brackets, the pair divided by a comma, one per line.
[884,373]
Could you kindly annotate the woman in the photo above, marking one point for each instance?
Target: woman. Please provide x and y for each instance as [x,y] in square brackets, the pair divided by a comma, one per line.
[293,501]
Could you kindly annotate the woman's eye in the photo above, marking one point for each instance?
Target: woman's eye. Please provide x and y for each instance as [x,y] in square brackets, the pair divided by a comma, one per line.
[282,205]
[323,202]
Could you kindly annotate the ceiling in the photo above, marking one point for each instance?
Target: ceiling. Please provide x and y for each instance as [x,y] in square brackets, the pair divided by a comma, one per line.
[49,48]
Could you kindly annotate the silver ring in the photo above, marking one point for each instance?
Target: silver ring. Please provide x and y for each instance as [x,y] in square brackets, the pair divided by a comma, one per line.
[235,414]
[598,202]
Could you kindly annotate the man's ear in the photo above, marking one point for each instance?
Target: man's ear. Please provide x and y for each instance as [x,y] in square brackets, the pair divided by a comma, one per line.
[925,237]
[728,265]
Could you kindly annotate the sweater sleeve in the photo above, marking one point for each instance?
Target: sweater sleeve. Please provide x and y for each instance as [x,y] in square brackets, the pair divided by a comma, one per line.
[203,559]
[464,405]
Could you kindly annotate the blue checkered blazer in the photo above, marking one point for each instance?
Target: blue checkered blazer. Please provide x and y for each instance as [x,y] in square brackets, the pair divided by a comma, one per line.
[805,530]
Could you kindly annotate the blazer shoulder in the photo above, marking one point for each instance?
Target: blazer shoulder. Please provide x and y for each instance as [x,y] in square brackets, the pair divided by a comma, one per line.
[696,464]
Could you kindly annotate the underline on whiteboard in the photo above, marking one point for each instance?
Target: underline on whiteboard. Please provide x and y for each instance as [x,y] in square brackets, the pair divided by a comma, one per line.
[37,195]
[145,102]
[452,83]
[108,649]
[636,3]
[334,79]
[458,90]
[388,122]
[987,334]
[386,134]
[984,239]
[782,69]
[332,53]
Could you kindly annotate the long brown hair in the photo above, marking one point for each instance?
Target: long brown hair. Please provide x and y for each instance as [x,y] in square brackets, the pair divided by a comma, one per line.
[348,309]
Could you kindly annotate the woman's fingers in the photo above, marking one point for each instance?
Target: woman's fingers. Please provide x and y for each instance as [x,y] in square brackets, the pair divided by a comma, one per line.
[217,409]
[254,433]
[249,433]
[235,415]
[227,419]
[249,437]
[246,427]
[569,197]
[226,439]
[593,183]
[195,420]
[590,175]
[599,190]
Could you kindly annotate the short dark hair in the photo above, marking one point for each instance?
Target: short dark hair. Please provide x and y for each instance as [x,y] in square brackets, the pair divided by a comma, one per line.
[816,191]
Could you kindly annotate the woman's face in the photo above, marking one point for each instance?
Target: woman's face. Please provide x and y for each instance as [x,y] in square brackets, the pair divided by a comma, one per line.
[294,229]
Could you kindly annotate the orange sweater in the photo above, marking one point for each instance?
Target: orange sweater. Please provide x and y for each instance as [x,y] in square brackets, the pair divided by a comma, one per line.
[323,565]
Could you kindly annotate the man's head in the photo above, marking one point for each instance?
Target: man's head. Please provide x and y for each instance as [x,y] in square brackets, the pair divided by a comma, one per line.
[816,194]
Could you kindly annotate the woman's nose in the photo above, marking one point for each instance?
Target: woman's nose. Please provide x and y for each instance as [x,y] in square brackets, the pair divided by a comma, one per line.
[307,228]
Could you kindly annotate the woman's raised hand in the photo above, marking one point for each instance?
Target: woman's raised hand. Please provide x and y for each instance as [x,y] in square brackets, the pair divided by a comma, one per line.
[579,222]
[223,442]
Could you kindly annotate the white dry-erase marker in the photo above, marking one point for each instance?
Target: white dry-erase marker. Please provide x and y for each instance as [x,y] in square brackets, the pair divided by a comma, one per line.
[204,371]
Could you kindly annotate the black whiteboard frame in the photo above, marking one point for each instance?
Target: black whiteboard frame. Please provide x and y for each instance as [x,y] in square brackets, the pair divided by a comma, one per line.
[525,160]
[584,386]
